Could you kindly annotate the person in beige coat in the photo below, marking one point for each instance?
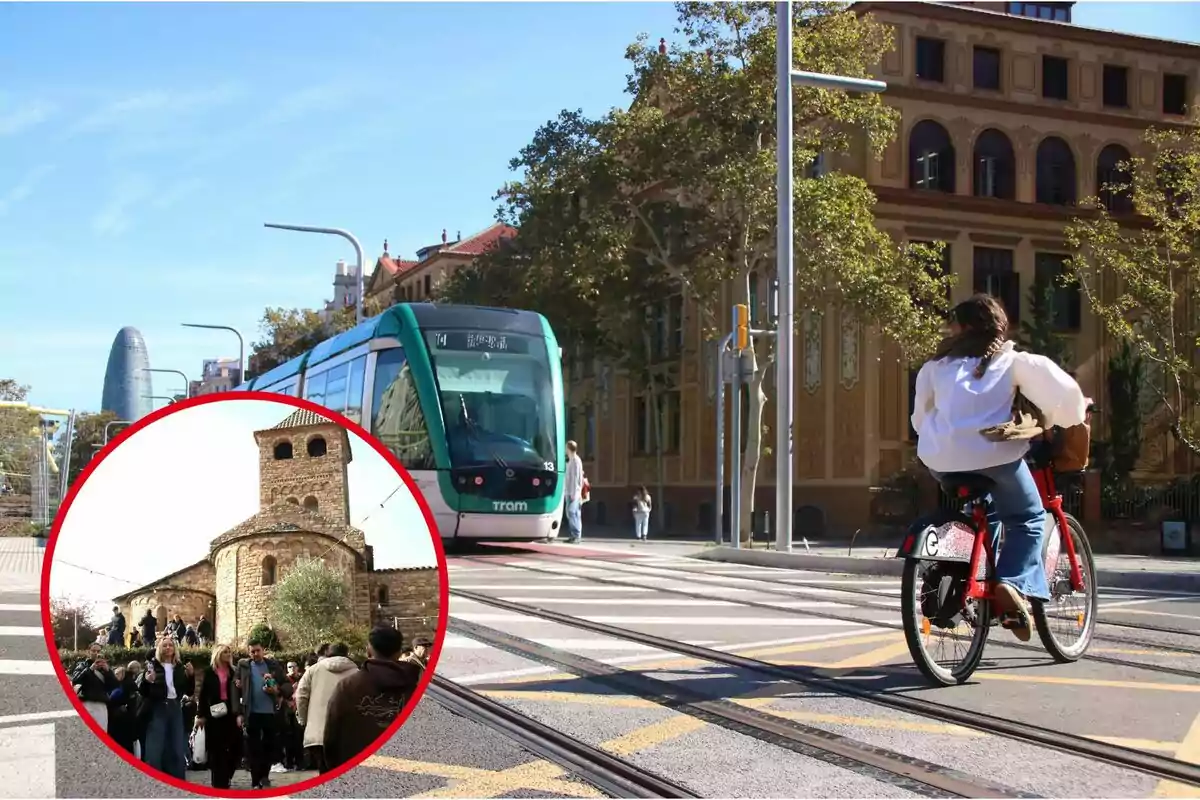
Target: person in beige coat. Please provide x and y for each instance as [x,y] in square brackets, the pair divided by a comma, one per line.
[312,699]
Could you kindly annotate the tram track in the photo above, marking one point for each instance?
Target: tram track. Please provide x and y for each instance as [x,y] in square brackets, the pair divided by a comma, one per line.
[816,585]
[1098,658]
[1158,766]
[920,777]
[611,774]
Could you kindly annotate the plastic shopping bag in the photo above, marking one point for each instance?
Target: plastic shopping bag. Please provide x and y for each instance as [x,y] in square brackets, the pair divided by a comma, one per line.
[199,754]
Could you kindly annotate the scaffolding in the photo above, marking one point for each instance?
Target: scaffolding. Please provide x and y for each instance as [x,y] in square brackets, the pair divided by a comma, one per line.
[33,476]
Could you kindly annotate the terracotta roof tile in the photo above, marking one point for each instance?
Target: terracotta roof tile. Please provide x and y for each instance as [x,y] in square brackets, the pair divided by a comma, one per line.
[396,266]
[302,418]
[482,242]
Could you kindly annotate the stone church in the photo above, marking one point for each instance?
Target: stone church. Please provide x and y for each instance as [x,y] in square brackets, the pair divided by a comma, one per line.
[304,512]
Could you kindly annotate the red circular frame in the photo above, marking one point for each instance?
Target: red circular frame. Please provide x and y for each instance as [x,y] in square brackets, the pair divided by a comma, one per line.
[443,594]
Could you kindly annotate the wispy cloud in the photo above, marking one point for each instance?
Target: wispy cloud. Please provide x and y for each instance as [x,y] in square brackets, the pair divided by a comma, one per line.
[24,117]
[25,188]
[116,216]
[154,109]
[175,193]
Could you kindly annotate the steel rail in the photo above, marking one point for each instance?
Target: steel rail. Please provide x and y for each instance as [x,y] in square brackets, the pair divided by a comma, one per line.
[1148,763]
[616,776]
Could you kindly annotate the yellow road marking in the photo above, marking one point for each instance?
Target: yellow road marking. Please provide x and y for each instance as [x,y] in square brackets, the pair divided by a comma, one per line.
[536,775]
[872,658]
[452,771]
[652,735]
[1189,751]
[1186,688]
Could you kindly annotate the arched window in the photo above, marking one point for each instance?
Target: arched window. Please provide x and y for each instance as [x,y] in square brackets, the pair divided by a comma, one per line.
[1056,183]
[283,450]
[930,158]
[294,501]
[310,503]
[316,447]
[268,571]
[382,594]
[995,166]
[1108,174]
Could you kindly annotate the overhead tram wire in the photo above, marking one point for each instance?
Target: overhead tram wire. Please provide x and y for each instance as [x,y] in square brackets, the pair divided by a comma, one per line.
[383,503]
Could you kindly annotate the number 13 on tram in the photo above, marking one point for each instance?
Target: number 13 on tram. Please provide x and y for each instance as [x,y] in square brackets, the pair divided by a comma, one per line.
[470,401]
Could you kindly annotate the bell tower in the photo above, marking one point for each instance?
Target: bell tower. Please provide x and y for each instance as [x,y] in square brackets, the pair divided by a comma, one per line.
[303,460]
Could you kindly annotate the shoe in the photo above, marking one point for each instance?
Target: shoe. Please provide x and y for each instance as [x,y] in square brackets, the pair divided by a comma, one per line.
[1012,611]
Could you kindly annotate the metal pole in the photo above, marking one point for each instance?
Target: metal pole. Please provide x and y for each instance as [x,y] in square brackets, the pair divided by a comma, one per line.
[170,400]
[108,425]
[358,254]
[784,376]
[722,346]
[241,345]
[65,469]
[735,456]
[187,385]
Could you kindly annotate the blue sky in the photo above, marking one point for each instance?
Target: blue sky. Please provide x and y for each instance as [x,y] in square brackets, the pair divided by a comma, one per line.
[145,144]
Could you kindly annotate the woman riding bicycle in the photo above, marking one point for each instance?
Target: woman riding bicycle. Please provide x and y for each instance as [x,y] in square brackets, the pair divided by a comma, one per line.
[968,387]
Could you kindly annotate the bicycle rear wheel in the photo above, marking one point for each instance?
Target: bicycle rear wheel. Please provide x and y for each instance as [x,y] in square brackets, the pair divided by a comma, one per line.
[934,615]
[1067,622]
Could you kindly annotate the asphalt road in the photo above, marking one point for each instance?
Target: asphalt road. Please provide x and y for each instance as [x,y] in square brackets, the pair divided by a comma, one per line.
[439,754]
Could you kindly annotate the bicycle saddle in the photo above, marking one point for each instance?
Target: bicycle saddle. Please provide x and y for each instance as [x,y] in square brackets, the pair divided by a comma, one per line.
[976,486]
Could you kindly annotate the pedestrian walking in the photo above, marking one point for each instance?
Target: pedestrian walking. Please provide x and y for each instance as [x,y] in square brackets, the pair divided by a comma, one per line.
[365,704]
[573,491]
[262,684]
[313,694]
[219,715]
[641,513]
[165,683]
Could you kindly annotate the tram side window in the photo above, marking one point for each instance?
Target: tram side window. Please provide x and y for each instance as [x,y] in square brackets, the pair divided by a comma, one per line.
[335,388]
[314,388]
[396,416]
[354,393]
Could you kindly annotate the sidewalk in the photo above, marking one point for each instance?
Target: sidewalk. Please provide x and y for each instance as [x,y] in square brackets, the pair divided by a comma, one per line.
[20,564]
[1112,571]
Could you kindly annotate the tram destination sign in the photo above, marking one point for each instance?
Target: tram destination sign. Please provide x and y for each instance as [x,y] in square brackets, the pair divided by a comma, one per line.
[480,342]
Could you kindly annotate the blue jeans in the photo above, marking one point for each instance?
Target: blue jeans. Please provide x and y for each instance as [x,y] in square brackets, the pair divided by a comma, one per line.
[1016,503]
[641,524]
[166,743]
[575,519]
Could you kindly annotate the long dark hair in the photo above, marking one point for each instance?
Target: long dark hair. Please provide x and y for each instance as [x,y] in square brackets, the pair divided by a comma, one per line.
[984,325]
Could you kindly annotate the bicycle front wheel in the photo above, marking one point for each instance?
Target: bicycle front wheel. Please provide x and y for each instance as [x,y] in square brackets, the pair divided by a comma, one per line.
[1067,622]
[945,636]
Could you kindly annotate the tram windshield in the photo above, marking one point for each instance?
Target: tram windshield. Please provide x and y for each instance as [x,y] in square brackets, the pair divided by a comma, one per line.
[497,398]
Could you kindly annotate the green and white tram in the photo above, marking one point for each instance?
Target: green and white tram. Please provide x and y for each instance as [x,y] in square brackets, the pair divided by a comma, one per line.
[470,401]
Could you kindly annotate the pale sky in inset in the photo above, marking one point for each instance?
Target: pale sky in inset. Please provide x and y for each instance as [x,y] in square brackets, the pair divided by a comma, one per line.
[154,504]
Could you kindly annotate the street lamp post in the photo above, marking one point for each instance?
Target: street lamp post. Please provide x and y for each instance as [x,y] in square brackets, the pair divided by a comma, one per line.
[358,255]
[785,78]
[187,385]
[241,345]
[108,425]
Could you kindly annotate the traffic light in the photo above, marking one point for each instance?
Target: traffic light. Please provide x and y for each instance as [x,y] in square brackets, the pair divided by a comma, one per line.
[741,327]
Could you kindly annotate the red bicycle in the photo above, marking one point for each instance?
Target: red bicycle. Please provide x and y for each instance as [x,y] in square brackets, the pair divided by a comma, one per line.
[948,583]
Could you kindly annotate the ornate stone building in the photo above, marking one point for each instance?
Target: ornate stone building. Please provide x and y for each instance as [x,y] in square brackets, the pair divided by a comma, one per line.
[304,512]
[1010,115]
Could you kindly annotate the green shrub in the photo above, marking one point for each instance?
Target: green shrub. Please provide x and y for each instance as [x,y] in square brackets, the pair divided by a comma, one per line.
[265,635]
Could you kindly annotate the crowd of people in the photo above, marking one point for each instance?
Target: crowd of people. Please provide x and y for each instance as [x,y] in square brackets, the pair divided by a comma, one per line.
[193,635]
[255,714]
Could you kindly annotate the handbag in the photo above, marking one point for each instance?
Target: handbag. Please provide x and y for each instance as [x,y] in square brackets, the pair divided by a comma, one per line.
[1072,448]
[218,710]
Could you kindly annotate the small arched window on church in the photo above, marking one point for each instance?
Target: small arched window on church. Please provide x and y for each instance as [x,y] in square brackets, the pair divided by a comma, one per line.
[310,503]
[294,501]
[268,571]
[383,595]
[316,447]
[283,450]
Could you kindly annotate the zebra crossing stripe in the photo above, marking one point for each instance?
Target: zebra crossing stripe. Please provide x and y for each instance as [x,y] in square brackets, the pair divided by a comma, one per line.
[27,762]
